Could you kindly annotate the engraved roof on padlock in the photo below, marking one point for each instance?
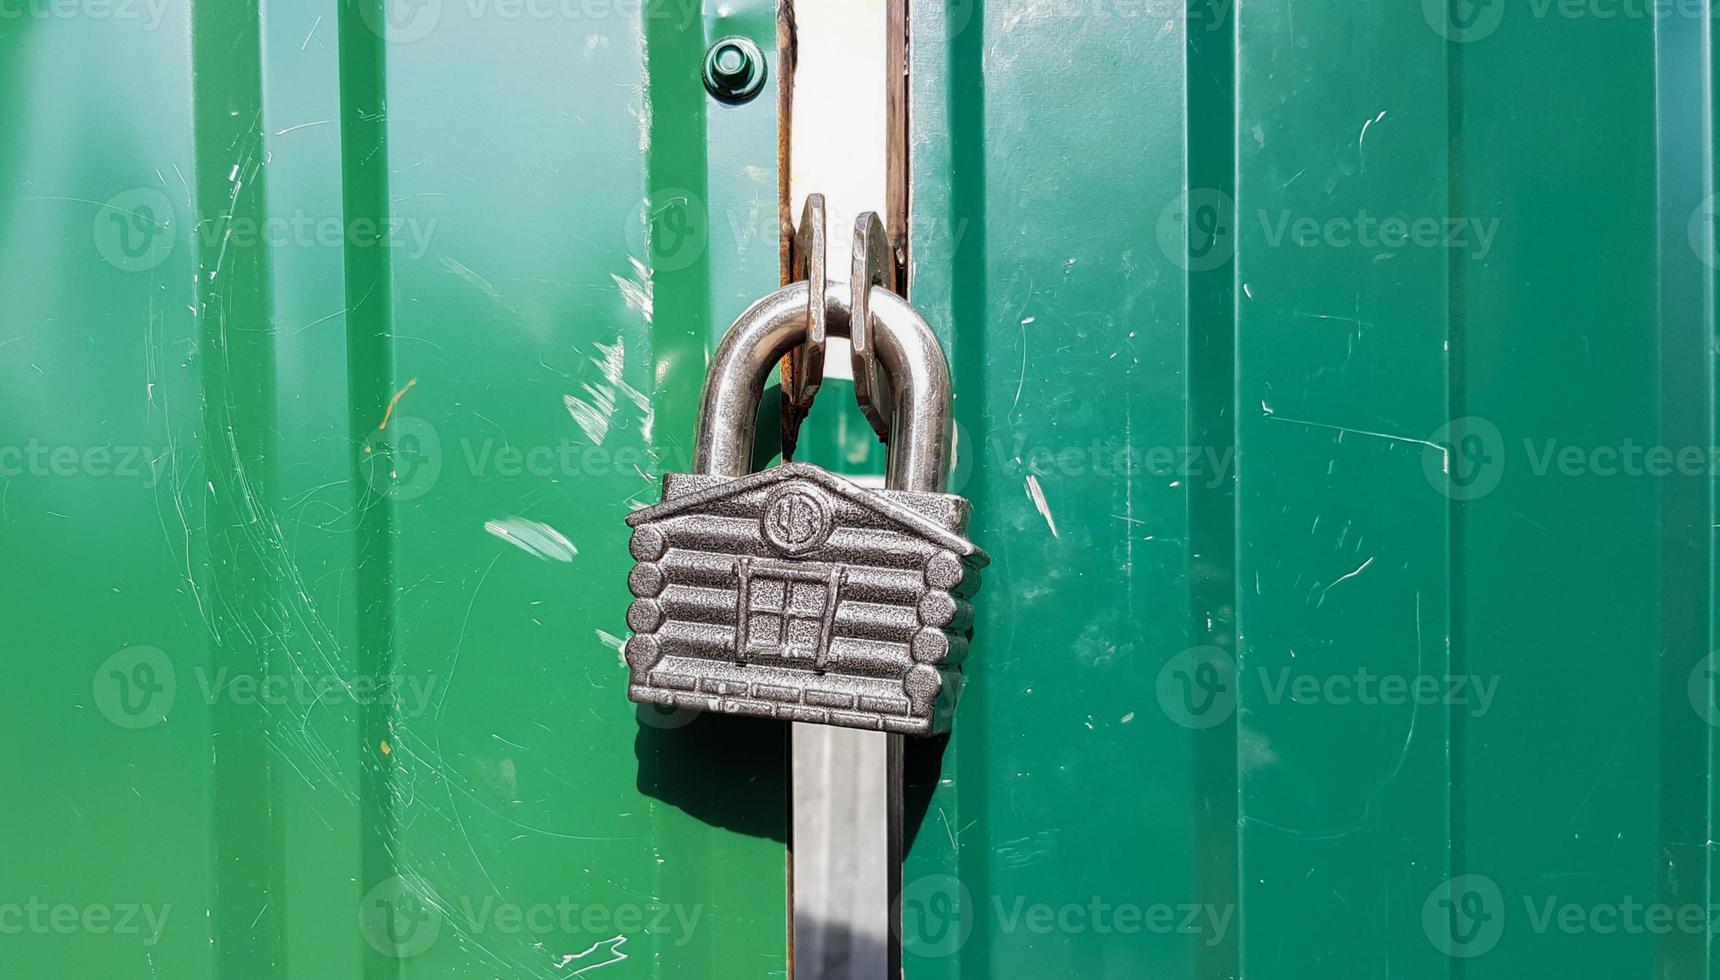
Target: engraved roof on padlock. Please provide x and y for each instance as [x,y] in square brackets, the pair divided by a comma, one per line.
[882,505]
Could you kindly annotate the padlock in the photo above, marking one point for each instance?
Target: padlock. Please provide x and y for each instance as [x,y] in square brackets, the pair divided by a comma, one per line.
[793,593]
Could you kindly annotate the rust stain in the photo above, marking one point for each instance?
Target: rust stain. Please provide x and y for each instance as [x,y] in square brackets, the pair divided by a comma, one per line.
[393,402]
[386,750]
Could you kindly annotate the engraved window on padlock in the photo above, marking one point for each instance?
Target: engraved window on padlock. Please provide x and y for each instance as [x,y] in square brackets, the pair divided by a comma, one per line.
[787,610]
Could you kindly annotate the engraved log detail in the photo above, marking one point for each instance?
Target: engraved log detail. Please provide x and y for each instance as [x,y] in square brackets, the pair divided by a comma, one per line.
[803,598]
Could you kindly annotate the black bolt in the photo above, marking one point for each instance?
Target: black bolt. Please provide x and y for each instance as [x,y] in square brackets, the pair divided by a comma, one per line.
[734,70]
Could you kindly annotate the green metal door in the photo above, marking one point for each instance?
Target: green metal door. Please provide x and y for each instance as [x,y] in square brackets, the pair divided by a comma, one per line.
[1336,396]
[339,339]
[1338,381]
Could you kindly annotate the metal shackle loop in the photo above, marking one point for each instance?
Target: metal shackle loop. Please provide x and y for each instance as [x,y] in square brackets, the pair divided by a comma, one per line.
[907,350]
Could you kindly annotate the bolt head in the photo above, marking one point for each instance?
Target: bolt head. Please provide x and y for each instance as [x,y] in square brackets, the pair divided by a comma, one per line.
[734,70]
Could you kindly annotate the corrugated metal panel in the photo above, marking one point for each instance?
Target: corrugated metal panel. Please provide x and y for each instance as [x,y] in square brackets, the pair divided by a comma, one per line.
[1384,659]
[349,334]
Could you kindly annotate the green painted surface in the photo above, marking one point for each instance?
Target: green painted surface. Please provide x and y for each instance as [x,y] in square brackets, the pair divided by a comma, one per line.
[1033,257]
[313,548]
[1419,686]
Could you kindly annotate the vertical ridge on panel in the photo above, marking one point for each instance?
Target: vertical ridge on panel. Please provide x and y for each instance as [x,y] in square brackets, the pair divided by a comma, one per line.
[1035,202]
[236,346]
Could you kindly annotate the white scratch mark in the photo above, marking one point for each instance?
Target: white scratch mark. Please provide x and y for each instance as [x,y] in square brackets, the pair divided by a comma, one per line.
[636,292]
[534,538]
[1038,497]
[595,413]
[294,129]
[611,366]
[592,416]
[1362,141]
[1359,432]
[1021,379]
[311,34]
[471,276]
[611,948]
[615,643]
[1359,570]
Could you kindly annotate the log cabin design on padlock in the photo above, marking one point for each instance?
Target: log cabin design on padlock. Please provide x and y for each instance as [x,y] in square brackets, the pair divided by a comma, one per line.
[795,594]
[792,593]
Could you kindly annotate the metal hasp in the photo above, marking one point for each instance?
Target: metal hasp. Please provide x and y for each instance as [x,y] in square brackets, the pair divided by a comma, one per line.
[874,265]
[793,593]
[803,367]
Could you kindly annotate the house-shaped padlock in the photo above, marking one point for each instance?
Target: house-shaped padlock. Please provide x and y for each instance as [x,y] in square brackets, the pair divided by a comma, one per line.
[795,594]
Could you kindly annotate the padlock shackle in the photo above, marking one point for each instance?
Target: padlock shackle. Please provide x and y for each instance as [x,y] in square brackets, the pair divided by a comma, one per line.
[907,349]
